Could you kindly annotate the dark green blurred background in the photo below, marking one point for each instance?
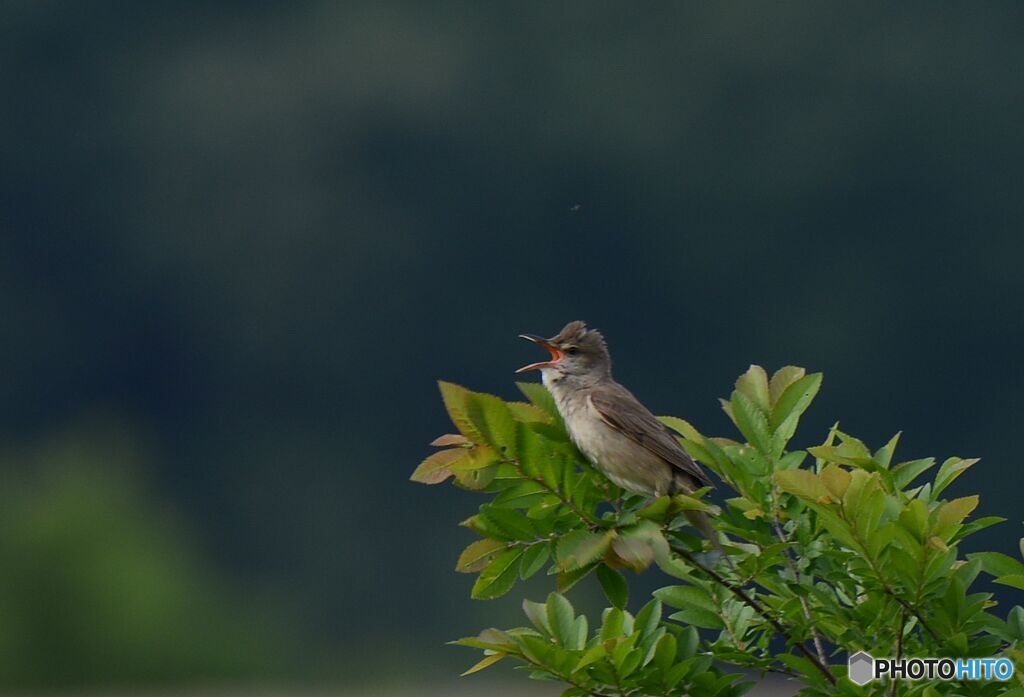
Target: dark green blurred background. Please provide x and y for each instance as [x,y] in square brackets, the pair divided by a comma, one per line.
[241,241]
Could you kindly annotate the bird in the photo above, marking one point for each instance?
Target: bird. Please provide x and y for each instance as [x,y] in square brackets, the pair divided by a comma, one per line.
[611,427]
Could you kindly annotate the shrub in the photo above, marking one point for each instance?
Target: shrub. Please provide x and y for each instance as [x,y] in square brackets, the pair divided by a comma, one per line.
[828,550]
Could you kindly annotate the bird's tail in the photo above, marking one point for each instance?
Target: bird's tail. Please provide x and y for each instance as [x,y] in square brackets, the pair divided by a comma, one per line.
[701,521]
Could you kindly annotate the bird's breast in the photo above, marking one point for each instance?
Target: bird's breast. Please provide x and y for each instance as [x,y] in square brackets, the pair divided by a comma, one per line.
[620,458]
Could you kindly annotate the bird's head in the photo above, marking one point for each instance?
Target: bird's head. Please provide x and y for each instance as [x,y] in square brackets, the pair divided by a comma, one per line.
[577,353]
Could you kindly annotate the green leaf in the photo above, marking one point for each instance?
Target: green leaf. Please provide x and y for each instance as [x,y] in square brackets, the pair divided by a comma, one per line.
[614,585]
[665,653]
[686,597]
[528,413]
[522,495]
[498,577]
[579,548]
[802,483]
[455,397]
[475,458]
[844,454]
[914,519]
[508,523]
[836,480]
[493,421]
[751,421]
[1013,580]
[647,620]
[477,555]
[682,427]
[792,403]
[953,512]
[754,384]
[477,478]
[537,613]
[539,395]
[594,654]
[950,470]
[613,624]
[883,456]
[698,617]
[483,663]
[998,564]
[568,579]
[906,472]
[436,468]
[783,378]
[533,560]
[561,619]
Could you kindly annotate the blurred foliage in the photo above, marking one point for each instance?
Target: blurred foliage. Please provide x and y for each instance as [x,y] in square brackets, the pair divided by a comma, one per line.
[100,584]
[850,552]
[249,228]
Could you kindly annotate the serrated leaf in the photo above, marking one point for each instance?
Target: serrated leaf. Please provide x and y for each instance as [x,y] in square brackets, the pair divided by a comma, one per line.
[537,613]
[521,495]
[579,548]
[477,478]
[751,421]
[533,560]
[998,564]
[802,483]
[836,480]
[792,403]
[475,458]
[561,619]
[539,396]
[509,523]
[698,617]
[843,454]
[450,439]
[754,384]
[594,654]
[477,555]
[528,413]
[914,519]
[498,577]
[567,579]
[492,418]
[665,653]
[682,427]
[437,468]
[454,397]
[614,585]
[613,622]
[483,663]
[686,597]
[953,512]
[783,378]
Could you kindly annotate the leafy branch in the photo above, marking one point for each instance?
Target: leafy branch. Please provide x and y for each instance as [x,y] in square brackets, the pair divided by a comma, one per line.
[826,554]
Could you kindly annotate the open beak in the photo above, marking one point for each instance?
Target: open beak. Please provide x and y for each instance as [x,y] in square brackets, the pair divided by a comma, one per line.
[556,355]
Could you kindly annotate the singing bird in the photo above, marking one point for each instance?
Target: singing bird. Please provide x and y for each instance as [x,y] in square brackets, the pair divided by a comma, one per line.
[610,426]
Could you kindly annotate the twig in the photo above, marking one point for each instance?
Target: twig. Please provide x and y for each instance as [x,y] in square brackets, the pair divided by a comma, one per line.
[899,648]
[583,515]
[791,562]
[761,610]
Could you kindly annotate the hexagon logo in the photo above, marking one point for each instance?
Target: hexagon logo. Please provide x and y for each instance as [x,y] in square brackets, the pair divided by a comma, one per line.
[861,668]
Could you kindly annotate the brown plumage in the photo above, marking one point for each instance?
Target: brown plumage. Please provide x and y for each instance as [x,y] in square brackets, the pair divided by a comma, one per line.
[610,426]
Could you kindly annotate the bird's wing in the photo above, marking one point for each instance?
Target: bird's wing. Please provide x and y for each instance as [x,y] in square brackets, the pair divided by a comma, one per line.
[631,418]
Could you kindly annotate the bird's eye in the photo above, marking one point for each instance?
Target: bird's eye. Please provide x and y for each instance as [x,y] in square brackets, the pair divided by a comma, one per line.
[572,350]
